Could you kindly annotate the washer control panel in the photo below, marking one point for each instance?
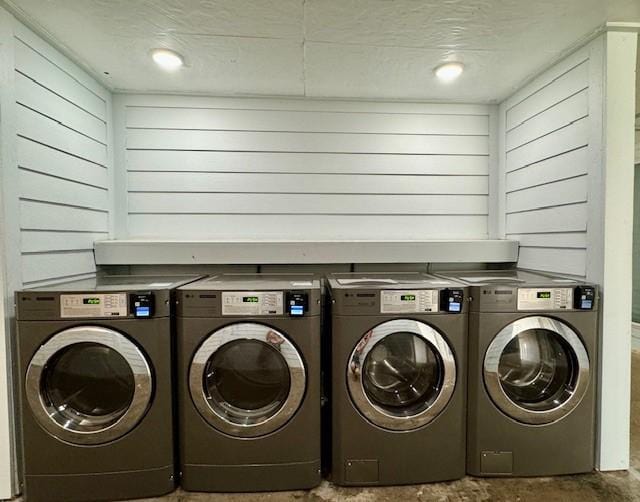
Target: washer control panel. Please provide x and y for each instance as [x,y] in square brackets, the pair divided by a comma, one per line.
[93,305]
[396,301]
[251,303]
[545,298]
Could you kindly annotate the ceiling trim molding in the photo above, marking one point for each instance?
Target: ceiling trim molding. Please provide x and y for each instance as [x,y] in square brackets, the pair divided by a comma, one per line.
[21,17]
[622,26]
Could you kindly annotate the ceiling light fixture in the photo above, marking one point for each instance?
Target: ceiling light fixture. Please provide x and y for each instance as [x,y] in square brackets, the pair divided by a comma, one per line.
[448,72]
[167,59]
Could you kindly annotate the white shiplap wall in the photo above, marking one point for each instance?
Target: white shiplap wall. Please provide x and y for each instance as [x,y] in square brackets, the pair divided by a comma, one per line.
[204,168]
[547,128]
[62,126]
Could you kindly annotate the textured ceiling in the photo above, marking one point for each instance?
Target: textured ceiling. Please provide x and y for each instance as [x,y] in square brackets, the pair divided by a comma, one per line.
[321,48]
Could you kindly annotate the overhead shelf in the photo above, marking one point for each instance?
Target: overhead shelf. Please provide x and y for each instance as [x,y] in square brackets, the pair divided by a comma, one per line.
[208,252]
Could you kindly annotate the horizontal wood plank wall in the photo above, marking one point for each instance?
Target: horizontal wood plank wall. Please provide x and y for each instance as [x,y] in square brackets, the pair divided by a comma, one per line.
[62,154]
[546,137]
[209,168]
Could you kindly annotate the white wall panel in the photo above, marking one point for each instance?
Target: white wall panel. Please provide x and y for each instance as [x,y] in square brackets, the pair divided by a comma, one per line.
[38,127]
[45,188]
[566,165]
[43,159]
[62,159]
[47,73]
[547,127]
[238,203]
[35,96]
[166,139]
[47,266]
[558,116]
[565,79]
[42,241]
[45,216]
[177,182]
[573,136]
[319,163]
[559,193]
[560,260]
[571,218]
[304,227]
[262,169]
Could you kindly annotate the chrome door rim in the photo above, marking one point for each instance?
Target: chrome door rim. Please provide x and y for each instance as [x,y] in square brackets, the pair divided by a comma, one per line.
[51,419]
[374,413]
[262,333]
[492,378]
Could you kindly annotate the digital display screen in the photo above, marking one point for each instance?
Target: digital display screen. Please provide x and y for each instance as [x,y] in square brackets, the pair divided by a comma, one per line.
[91,301]
[408,298]
[250,299]
[545,295]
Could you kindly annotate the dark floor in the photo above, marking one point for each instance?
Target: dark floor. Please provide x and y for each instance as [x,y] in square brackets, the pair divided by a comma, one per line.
[618,486]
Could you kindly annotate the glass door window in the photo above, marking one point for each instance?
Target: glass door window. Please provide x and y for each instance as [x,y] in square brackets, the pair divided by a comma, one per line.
[401,374]
[89,385]
[536,370]
[247,379]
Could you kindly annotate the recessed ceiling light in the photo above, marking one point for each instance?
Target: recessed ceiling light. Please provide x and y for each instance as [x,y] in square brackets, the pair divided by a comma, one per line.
[167,59]
[448,72]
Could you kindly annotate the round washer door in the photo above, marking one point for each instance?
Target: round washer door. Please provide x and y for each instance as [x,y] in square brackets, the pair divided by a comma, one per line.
[536,370]
[88,385]
[247,379]
[401,374]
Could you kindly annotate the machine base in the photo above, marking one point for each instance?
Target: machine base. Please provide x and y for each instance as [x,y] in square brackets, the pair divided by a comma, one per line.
[251,478]
[100,486]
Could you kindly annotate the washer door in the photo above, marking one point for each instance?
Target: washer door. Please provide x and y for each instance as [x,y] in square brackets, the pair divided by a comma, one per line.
[247,379]
[401,374]
[536,370]
[88,385]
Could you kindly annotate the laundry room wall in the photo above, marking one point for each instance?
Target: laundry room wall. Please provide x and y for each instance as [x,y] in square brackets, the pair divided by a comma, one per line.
[547,127]
[62,155]
[566,193]
[55,158]
[228,168]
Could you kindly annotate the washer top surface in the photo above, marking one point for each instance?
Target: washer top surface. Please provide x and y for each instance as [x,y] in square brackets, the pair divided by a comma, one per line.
[121,283]
[254,282]
[508,278]
[398,280]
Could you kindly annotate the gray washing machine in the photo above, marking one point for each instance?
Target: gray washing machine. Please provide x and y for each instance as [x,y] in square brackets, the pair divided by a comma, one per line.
[398,364]
[533,343]
[249,382]
[95,369]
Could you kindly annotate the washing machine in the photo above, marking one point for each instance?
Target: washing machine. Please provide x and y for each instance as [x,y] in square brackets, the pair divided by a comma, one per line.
[249,382]
[95,366]
[533,342]
[398,354]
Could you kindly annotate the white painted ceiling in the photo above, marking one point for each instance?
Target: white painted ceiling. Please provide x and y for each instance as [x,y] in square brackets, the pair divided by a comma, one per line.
[321,48]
